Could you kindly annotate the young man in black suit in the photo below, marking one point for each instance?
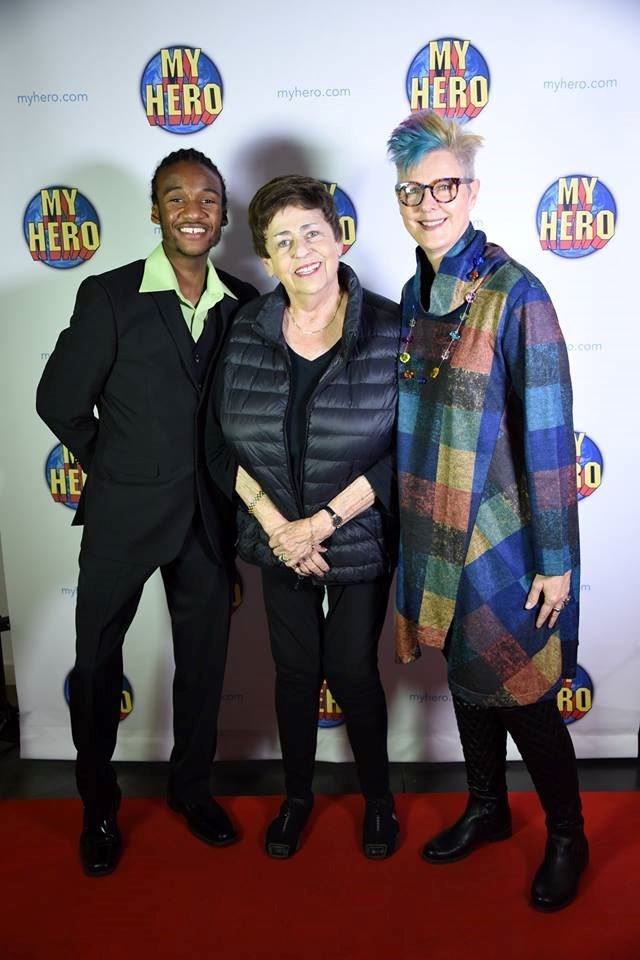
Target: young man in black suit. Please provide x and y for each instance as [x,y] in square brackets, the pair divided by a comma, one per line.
[141,348]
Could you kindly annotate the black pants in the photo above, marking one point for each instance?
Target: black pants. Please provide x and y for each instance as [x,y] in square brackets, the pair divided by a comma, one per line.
[342,648]
[545,746]
[198,597]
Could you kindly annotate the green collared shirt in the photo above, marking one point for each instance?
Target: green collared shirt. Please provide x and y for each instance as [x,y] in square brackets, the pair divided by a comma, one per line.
[159,275]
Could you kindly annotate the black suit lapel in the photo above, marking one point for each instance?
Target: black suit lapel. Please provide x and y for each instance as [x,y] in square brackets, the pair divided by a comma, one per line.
[171,313]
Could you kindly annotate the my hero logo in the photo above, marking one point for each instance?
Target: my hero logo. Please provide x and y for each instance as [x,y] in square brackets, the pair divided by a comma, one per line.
[126,696]
[182,89]
[329,713]
[61,227]
[576,216]
[588,465]
[346,214]
[449,76]
[65,477]
[575,697]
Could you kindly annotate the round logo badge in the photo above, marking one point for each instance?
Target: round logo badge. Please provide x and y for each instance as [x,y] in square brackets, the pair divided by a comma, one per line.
[347,214]
[575,697]
[329,713]
[181,90]
[64,477]
[576,216]
[588,466]
[61,227]
[449,76]
[126,699]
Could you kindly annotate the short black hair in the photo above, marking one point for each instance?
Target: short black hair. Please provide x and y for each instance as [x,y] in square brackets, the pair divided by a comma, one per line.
[190,155]
[293,190]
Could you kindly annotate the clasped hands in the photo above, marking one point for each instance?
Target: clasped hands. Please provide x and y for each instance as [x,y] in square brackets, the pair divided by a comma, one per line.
[554,592]
[294,544]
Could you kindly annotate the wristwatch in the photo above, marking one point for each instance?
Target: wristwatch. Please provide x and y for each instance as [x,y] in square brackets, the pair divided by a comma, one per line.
[335,519]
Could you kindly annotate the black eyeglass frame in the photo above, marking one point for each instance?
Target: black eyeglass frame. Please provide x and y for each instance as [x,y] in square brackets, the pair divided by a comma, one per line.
[401,187]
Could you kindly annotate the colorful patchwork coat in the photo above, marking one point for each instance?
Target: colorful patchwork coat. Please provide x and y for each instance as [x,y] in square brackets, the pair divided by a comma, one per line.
[487,476]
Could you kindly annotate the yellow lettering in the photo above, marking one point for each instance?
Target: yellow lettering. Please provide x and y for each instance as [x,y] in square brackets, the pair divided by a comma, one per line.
[438,87]
[605,224]
[331,187]
[69,236]
[566,225]
[67,456]
[154,100]
[419,93]
[564,698]
[75,482]
[57,482]
[126,703]
[583,699]
[548,229]
[171,66]
[457,92]
[53,237]
[589,187]
[579,438]
[330,704]
[440,59]
[568,190]
[592,475]
[50,203]
[70,197]
[462,52]
[212,98]
[193,56]
[348,230]
[478,91]
[90,235]
[191,96]
[36,237]
[584,225]
[173,100]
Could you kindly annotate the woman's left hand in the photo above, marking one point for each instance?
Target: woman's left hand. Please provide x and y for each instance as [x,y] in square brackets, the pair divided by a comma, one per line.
[291,542]
[555,596]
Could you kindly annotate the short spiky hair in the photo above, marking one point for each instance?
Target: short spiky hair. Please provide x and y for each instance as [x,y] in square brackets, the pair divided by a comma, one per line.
[189,155]
[292,190]
[425,131]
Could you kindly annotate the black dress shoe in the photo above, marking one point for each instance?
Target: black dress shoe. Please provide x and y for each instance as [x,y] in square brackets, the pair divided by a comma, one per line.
[380,829]
[283,834]
[100,843]
[484,821]
[206,820]
[555,884]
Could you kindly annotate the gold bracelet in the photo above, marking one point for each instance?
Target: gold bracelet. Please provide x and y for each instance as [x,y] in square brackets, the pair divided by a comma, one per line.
[253,503]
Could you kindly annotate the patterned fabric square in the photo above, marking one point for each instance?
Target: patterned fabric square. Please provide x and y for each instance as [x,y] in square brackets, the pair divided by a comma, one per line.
[455,467]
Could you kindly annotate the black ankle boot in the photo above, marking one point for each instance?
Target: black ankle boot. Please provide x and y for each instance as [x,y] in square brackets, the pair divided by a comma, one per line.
[100,840]
[485,820]
[555,884]
[380,829]
[283,834]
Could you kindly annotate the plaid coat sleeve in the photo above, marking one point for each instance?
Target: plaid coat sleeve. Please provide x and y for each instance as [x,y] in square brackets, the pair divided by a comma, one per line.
[536,358]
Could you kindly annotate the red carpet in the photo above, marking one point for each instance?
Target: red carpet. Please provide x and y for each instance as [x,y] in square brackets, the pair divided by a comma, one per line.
[173,897]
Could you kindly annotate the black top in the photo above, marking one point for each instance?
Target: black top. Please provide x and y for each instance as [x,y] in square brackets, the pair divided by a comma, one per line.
[305,376]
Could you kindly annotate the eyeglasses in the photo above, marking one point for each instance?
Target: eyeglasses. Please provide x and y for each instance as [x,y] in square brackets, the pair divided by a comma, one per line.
[411,193]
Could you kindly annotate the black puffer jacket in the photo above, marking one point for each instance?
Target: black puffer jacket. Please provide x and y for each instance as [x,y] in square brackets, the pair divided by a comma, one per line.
[350,425]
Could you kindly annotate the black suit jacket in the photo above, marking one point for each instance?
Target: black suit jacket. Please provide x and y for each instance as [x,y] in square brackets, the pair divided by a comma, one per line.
[130,355]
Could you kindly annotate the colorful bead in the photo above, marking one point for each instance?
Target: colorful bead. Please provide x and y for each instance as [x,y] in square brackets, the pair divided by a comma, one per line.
[404,357]
[408,374]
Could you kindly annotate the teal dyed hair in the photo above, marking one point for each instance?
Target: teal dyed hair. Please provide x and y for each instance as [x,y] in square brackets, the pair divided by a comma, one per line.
[425,131]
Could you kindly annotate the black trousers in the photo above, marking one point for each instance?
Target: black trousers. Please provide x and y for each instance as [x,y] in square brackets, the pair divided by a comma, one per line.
[342,648]
[198,593]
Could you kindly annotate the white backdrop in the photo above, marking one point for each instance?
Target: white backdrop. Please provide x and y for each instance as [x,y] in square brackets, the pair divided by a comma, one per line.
[316,91]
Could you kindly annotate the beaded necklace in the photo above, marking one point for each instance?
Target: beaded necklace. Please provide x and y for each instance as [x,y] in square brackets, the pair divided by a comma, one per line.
[452,338]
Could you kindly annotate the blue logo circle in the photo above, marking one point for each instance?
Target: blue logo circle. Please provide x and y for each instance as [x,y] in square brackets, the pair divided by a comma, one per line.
[64,477]
[576,216]
[181,90]
[61,227]
[575,697]
[449,76]
[589,466]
